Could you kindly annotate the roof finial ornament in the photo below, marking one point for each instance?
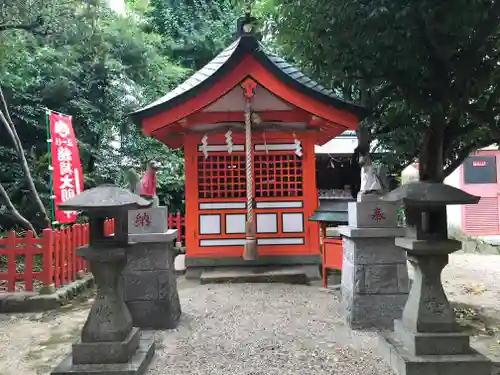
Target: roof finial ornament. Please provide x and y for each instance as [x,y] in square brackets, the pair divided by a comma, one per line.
[247,9]
[247,23]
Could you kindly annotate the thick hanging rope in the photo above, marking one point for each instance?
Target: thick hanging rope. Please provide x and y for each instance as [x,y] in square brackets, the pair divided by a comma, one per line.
[248,148]
[250,251]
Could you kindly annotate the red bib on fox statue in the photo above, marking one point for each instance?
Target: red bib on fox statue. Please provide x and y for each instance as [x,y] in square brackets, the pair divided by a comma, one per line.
[148,181]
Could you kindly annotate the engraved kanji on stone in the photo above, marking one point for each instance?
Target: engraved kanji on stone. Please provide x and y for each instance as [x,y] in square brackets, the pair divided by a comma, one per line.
[142,220]
[378,215]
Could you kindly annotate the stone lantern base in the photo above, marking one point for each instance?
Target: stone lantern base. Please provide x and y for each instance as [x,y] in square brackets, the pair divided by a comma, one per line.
[109,344]
[427,340]
[149,281]
[136,365]
[403,362]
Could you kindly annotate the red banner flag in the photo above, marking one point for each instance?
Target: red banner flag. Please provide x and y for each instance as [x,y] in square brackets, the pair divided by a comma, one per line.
[67,177]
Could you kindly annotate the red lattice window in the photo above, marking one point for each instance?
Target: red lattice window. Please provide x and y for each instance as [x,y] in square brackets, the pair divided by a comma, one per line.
[278,176]
[221,176]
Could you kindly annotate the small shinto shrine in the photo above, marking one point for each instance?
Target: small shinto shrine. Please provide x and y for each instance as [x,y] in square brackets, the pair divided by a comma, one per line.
[248,122]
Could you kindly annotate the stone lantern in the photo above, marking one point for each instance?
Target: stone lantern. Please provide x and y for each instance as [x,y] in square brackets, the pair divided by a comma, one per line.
[109,344]
[427,340]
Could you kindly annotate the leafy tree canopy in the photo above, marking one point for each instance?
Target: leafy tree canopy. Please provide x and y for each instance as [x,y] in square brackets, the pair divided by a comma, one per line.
[193,31]
[427,69]
[83,60]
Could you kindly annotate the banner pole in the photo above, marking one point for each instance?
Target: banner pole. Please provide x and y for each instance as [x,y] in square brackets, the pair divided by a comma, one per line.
[51,190]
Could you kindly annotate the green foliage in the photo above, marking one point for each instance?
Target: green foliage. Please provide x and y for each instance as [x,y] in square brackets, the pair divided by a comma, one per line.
[138,6]
[194,31]
[94,65]
[428,69]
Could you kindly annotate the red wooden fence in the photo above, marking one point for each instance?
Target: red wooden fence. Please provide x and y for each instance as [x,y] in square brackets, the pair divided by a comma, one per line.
[51,259]
[177,222]
[27,247]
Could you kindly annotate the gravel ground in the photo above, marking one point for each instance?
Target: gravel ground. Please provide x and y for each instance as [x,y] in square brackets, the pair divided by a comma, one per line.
[264,329]
[249,329]
[474,280]
[32,344]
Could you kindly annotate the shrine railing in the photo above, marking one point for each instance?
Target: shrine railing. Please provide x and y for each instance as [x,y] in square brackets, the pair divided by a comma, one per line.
[28,263]
[178,222]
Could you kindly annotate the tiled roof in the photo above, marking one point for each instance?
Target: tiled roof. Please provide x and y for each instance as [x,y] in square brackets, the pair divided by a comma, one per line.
[298,76]
[228,58]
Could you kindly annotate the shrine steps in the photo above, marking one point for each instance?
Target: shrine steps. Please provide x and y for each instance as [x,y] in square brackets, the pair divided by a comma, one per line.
[260,274]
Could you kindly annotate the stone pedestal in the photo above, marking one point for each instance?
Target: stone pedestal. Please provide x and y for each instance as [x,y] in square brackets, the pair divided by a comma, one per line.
[149,281]
[374,282]
[108,344]
[148,220]
[427,339]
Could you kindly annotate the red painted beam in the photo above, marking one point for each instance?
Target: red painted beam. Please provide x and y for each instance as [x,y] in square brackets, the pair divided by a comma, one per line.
[172,134]
[249,67]
[295,115]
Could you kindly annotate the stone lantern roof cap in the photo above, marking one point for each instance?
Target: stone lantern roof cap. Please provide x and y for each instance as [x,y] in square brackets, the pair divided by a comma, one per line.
[105,198]
[429,194]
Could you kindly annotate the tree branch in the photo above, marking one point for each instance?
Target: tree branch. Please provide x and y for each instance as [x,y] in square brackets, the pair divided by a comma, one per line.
[408,162]
[7,120]
[454,130]
[493,99]
[19,218]
[461,156]
[485,30]
[433,45]
[20,26]
[488,113]
[11,130]
[488,118]
[26,27]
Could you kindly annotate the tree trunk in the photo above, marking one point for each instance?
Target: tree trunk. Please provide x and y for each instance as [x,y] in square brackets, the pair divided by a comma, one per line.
[431,158]
[9,126]
[431,164]
[19,218]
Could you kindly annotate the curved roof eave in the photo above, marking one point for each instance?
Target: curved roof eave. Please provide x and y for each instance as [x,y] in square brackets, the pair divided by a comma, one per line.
[229,58]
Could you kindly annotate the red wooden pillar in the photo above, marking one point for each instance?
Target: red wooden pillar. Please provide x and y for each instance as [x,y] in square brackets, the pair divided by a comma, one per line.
[11,261]
[47,257]
[310,194]
[178,225]
[191,194]
[29,248]
[85,241]
[57,258]
[77,229]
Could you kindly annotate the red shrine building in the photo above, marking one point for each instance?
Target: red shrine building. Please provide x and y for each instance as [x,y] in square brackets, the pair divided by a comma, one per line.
[249,113]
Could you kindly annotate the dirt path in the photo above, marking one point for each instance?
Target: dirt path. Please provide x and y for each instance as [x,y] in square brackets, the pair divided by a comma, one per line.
[472,283]
[32,344]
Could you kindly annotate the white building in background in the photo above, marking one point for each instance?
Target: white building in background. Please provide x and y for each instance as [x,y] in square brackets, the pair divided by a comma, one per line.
[343,144]
[333,173]
[478,175]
